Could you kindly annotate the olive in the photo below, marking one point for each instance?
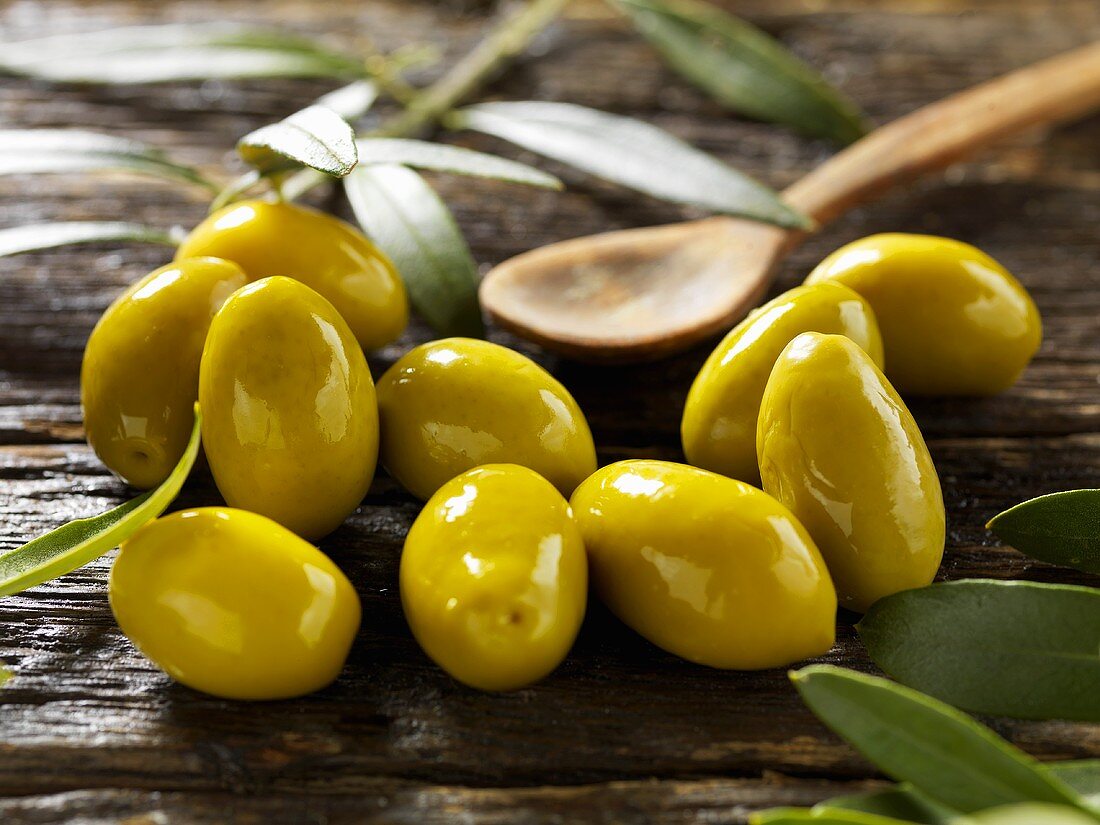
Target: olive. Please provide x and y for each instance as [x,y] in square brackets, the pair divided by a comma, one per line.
[232,604]
[494,577]
[140,376]
[323,252]
[706,567]
[290,422]
[718,429]
[449,406]
[954,321]
[838,446]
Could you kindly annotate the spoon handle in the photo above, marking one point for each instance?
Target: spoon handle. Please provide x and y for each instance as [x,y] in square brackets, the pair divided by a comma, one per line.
[1059,88]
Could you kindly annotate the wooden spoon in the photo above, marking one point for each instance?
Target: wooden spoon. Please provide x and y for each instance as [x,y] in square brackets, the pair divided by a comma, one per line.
[642,293]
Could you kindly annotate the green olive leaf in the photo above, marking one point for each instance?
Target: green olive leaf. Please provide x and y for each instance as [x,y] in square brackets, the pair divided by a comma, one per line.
[631,153]
[440,157]
[409,222]
[314,138]
[914,738]
[155,54]
[36,151]
[822,815]
[75,544]
[35,236]
[1083,775]
[743,68]
[1060,528]
[1009,648]
[1032,814]
[902,802]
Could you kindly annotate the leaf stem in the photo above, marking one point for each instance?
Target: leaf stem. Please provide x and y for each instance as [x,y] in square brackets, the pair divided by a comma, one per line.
[502,45]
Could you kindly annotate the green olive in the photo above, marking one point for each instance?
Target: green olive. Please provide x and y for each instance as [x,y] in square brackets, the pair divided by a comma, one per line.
[838,446]
[954,321]
[494,577]
[719,424]
[232,604]
[708,568]
[449,406]
[326,254]
[140,376]
[290,422]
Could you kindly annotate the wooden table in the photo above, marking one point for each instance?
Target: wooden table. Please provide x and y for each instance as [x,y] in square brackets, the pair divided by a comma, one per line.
[91,731]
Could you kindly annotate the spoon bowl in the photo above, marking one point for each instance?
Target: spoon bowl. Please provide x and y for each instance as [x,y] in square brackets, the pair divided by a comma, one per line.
[638,294]
[623,296]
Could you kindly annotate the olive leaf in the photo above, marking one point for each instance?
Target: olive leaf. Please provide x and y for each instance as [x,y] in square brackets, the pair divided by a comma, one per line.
[914,738]
[75,544]
[31,151]
[314,138]
[1009,648]
[153,54]
[37,236]
[743,68]
[902,802]
[440,157]
[1032,814]
[1083,775]
[823,815]
[350,102]
[5,675]
[1060,528]
[409,222]
[631,153]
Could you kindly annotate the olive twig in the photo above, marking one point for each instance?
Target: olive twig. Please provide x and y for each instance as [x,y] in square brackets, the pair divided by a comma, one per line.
[506,42]
[434,103]
[386,70]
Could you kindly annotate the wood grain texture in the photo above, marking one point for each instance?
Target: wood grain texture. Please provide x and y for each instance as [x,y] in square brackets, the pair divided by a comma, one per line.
[91,732]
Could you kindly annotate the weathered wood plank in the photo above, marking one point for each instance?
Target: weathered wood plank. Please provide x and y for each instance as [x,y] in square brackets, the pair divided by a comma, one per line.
[722,802]
[394,714]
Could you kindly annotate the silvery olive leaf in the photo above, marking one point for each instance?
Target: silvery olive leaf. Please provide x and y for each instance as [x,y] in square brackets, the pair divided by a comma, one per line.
[38,236]
[154,54]
[315,138]
[440,157]
[631,153]
[38,151]
[401,213]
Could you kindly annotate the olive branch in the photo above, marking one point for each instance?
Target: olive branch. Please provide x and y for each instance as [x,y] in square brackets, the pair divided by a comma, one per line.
[738,65]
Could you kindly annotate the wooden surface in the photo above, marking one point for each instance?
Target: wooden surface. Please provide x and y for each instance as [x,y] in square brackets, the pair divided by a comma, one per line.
[91,732]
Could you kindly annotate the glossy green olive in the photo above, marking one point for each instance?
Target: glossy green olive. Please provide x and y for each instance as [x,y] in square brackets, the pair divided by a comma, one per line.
[708,568]
[326,254]
[140,376]
[494,577]
[838,446]
[449,406]
[718,429]
[954,321]
[290,421]
[232,604]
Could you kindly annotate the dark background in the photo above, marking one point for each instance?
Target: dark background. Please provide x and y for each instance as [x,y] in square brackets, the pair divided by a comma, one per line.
[622,731]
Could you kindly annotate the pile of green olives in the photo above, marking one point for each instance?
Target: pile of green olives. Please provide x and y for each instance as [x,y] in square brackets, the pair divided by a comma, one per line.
[808,485]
